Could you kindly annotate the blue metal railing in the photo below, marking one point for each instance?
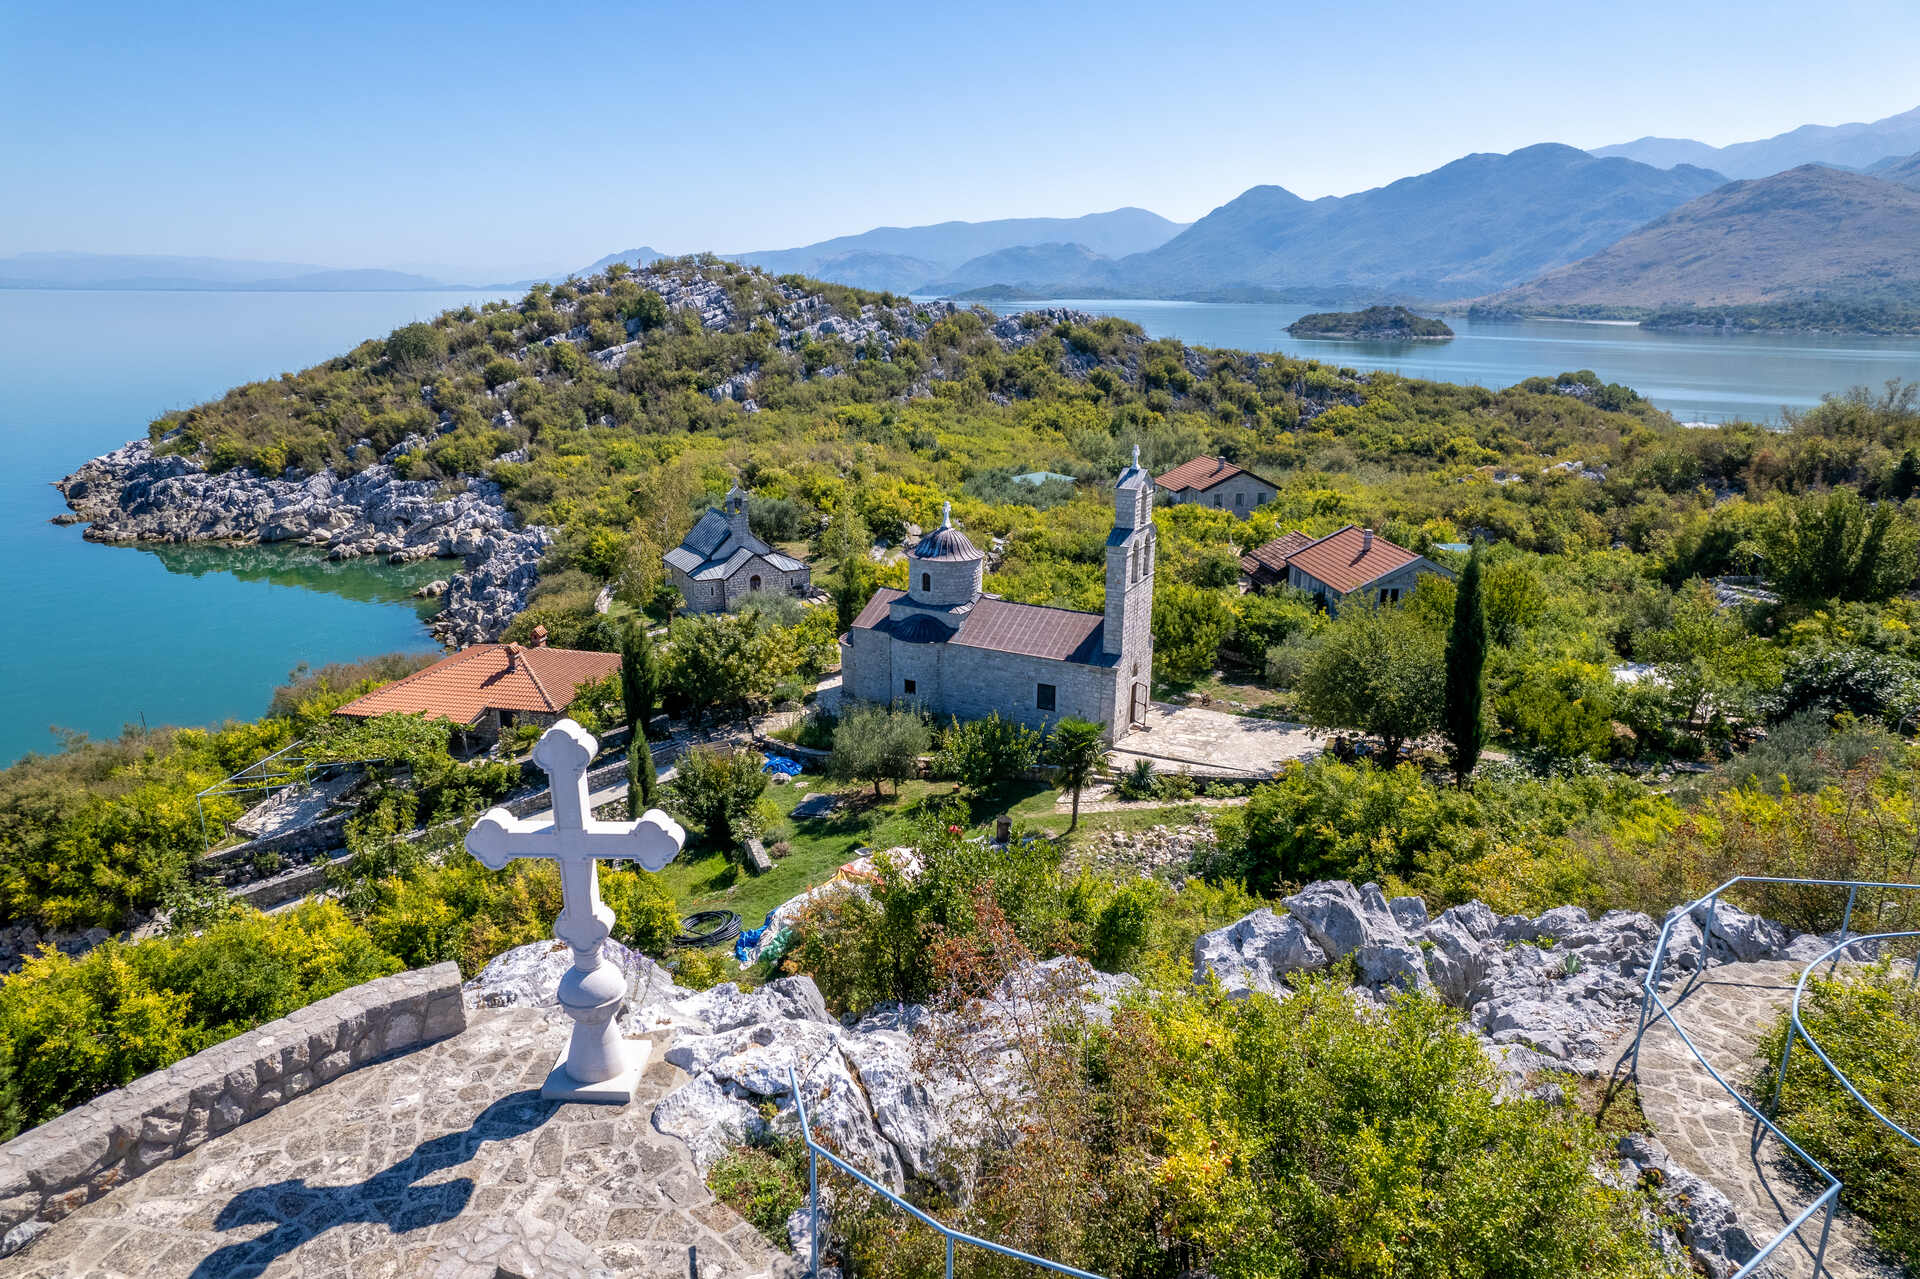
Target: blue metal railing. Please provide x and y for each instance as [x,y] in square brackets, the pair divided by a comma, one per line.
[817,1152]
[1653,1007]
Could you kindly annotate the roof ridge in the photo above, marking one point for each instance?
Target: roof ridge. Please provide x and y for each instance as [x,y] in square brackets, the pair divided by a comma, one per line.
[538,687]
[453,658]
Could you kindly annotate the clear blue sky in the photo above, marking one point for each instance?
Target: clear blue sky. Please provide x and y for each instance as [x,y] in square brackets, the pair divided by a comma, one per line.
[494,138]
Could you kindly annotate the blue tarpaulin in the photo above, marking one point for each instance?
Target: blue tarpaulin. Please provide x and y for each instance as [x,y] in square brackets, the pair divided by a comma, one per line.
[781,764]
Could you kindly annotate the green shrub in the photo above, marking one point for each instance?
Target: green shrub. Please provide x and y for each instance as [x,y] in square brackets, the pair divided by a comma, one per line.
[74,1028]
[764,1183]
[717,791]
[1869,1024]
[981,752]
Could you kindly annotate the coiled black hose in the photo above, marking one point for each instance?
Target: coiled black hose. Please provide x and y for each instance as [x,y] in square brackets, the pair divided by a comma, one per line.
[708,928]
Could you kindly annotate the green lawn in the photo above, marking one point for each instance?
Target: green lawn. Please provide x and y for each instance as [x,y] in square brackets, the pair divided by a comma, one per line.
[701,879]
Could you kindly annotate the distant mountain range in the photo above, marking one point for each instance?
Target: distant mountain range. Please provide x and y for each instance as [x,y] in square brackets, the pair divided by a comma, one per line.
[1810,233]
[1846,146]
[1482,223]
[1642,225]
[142,271]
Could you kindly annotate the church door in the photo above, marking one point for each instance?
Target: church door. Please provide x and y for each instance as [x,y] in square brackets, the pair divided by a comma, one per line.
[1137,713]
[753,583]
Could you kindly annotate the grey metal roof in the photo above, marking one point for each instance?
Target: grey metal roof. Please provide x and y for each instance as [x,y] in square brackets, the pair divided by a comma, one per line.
[712,551]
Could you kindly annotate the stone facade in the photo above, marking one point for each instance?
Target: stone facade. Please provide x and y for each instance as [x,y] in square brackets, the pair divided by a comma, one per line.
[47,1172]
[947,647]
[720,560]
[1239,494]
[1394,586]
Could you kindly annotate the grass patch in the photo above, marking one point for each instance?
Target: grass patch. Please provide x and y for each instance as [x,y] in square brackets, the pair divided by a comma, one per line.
[765,1184]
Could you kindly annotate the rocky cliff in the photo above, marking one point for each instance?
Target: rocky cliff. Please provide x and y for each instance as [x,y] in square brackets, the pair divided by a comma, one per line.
[135,494]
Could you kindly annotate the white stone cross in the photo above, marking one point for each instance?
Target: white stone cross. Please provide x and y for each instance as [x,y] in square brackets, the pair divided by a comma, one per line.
[596,1065]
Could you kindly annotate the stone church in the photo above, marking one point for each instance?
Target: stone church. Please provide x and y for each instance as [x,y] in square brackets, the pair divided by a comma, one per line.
[720,559]
[947,647]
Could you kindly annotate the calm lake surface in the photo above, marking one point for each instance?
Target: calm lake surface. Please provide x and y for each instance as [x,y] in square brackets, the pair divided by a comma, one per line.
[1695,376]
[96,637]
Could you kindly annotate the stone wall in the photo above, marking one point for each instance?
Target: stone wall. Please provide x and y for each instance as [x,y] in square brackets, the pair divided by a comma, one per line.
[954,679]
[49,1171]
[1240,494]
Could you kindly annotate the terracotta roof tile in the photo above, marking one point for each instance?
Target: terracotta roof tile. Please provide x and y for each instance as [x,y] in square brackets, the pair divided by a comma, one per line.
[467,684]
[1345,562]
[1270,559]
[1203,472]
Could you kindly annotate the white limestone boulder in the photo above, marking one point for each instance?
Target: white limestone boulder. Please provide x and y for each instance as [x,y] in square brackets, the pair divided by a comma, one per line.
[1256,952]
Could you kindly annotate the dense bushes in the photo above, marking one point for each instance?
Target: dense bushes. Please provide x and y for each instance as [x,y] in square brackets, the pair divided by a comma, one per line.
[71,1029]
[1870,1026]
[1197,1134]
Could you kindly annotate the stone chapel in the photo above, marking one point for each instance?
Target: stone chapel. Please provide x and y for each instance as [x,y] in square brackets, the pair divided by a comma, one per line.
[946,646]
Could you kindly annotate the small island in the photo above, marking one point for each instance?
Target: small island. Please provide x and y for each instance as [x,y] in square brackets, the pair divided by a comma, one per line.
[1375,324]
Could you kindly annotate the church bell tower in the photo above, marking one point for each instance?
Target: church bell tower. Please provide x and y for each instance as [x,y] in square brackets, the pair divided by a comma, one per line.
[1131,550]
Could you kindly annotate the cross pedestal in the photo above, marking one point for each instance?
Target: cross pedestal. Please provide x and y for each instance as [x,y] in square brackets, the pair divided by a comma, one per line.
[598,1065]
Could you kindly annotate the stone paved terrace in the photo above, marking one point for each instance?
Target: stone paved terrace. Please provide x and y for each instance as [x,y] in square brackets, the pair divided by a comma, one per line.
[1192,738]
[1726,1013]
[415,1166]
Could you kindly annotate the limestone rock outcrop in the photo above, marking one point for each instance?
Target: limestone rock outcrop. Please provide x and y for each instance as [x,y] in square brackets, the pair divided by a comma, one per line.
[134,494]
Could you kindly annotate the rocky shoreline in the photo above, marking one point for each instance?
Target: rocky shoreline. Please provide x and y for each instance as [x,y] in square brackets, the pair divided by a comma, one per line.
[134,494]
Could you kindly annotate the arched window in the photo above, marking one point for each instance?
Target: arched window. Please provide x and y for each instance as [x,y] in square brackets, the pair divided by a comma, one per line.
[926,583]
[753,583]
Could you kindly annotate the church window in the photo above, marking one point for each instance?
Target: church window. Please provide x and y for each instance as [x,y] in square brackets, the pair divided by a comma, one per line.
[926,583]
[753,583]
[910,687]
[1043,697]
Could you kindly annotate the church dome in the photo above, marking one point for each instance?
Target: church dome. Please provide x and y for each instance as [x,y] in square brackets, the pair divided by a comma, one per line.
[946,542]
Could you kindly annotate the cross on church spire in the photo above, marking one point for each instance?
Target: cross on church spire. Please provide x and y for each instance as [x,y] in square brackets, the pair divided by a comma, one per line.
[1136,455]
[594,1066]
[946,515]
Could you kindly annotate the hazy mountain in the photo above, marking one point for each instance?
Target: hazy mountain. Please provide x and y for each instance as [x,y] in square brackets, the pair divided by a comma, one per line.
[1851,146]
[947,245]
[642,256]
[156,271]
[1904,169]
[1022,264]
[1809,232]
[1482,223]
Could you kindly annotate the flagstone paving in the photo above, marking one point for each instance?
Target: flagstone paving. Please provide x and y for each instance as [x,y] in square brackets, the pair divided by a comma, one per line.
[1726,1013]
[422,1164]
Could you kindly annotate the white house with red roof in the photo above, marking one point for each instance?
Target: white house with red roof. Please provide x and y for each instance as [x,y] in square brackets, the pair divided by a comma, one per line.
[948,647]
[1349,563]
[1217,483]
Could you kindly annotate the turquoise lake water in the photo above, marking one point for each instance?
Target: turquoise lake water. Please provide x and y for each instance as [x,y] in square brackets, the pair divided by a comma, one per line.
[96,637]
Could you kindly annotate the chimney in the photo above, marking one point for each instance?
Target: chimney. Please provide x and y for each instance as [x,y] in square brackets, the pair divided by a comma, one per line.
[513,656]
[539,637]
[1366,540]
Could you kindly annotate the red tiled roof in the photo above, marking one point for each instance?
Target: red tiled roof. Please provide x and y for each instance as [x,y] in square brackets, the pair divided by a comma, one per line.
[1271,559]
[475,680]
[1202,473]
[1032,629]
[1339,560]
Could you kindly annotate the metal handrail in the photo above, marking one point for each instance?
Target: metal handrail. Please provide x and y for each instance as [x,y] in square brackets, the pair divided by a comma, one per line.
[1651,1001]
[1795,1027]
[817,1152]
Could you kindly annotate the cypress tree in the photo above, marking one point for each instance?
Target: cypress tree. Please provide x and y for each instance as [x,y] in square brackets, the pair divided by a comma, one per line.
[639,687]
[1466,672]
[641,777]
